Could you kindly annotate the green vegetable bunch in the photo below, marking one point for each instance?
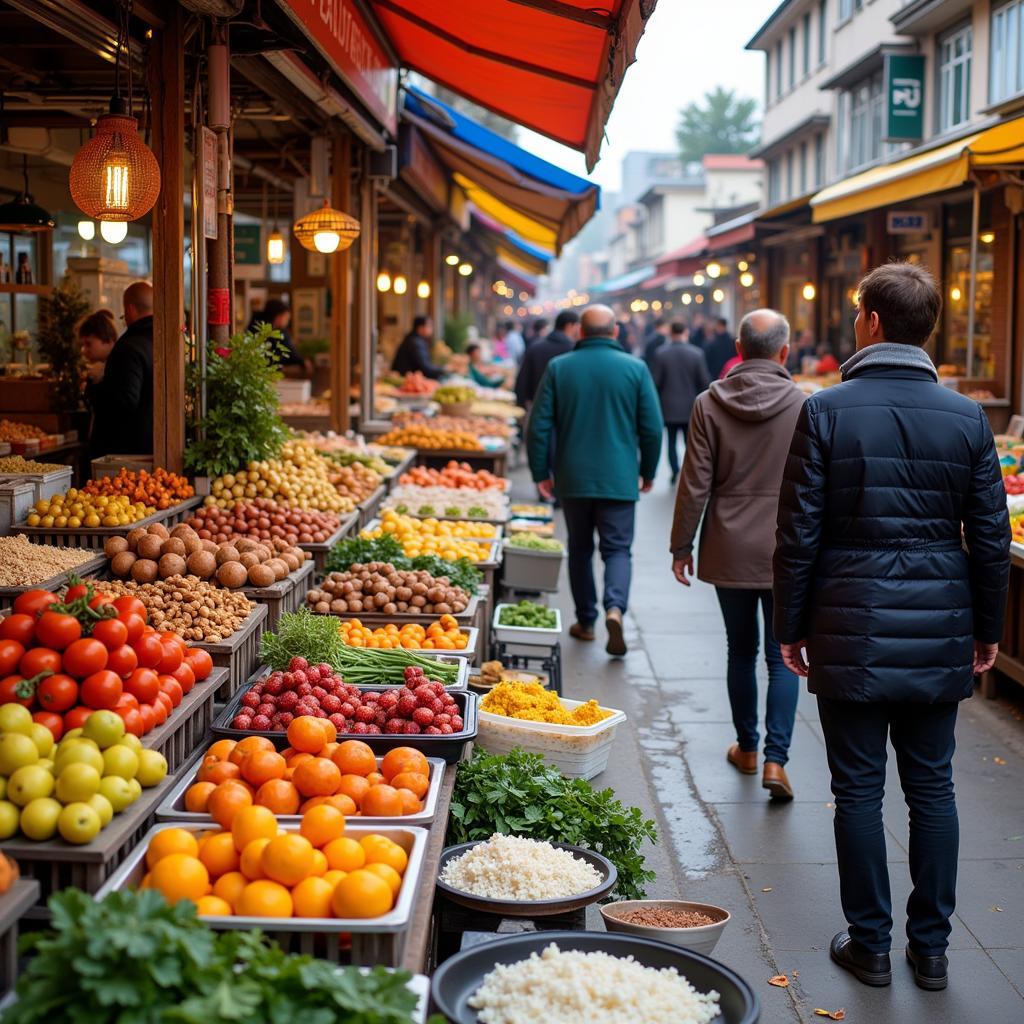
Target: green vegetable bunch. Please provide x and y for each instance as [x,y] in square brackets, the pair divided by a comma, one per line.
[387,548]
[345,458]
[453,394]
[132,959]
[521,794]
[531,542]
[528,614]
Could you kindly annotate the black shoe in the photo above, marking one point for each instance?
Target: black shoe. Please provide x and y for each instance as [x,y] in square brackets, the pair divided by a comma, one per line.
[869,968]
[929,971]
[675,477]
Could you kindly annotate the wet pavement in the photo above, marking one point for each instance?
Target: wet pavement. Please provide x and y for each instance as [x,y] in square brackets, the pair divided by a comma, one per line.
[773,867]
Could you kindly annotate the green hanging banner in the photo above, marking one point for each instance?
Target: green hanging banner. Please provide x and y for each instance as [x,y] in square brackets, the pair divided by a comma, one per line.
[904,97]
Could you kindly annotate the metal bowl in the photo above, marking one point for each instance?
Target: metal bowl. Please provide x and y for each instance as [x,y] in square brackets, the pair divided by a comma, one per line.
[702,939]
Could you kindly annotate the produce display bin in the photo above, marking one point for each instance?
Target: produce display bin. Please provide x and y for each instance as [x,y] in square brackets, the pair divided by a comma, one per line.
[17,496]
[578,751]
[286,595]
[173,807]
[187,724]
[86,570]
[44,485]
[368,506]
[449,748]
[532,570]
[531,636]
[321,549]
[392,480]
[239,653]
[111,465]
[377,940]
[465,618]
[18,899]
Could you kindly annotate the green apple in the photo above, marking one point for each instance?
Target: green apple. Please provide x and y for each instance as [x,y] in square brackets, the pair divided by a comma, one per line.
[118,792]
[152,768]
[16,751]
[42,738]
[129,739]
[120,760]
[29,783]
[9,815]
[39,818]
[77,782]
[105,727]
[79,823]
[79,752]
[15,718]
[102,806]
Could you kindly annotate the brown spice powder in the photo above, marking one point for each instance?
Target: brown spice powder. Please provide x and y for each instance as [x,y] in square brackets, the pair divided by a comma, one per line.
[659,917]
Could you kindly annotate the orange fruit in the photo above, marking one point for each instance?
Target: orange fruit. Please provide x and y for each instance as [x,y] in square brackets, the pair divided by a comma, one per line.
[361,894]
[171,840]
[306,734]
[250,863]
[375,778]
[354,757]
[253,822]
[404,759]
[312,898]
[279,796]
[319,863]
[247,746]
[196,796]
[264,898]
[381,850]
[217,772]
[389,874]
[180,877]
[410,801]
[144,884]
[344,803]
[296,759]
[322,824]
[229,887]
[328,749]
[382,801]
[222,749]
[355,787]
[334,876]
[226,801]
[317,777]
[262,765]
[287,859]
[418,783]
[219,853]
[213,906]
[344,854]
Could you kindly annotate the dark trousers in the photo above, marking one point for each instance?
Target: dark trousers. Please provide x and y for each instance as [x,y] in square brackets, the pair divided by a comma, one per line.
[922,736]
[673,430]
[613,521]
[739,610]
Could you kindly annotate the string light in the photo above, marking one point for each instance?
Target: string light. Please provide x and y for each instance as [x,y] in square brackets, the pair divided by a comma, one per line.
[698,279]
[383,281]
[423,289]
[451,259]
[465,269]
[686,298]
[718,295]
[809,291]
[401,285]
[742,265]
[87,230]
[113,231]
[713,269]
[746,279]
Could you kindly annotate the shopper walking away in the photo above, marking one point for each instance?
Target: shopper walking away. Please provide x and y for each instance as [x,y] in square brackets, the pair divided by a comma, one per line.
[538,332]
[655,338]
[680,374]
[699,332]
[735,455]
[602,408]
[413,354]
[514,344]
[720,348]
[891,573]
[538,354]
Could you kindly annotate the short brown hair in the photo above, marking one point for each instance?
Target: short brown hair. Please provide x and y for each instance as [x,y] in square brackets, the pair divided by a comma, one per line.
[906,299]
[99,325]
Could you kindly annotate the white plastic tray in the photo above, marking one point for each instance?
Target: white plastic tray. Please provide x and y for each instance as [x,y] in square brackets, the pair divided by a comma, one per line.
[535,636]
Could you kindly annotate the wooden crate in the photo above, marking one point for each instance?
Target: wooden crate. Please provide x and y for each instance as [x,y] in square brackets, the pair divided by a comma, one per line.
[286,595]
[239,654]
[320,550]
[188,723]
[13,904]
[8,595]
[392,479]
[367,508]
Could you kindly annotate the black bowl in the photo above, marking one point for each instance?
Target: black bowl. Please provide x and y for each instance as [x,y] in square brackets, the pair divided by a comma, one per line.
[455,981]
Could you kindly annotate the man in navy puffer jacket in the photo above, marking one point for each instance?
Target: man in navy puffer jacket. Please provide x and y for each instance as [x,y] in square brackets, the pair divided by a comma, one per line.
[891,567]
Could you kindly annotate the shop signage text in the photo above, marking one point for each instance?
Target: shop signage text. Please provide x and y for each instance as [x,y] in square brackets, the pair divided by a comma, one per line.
[904,97]
[248,244]
[208,176]
[906,222]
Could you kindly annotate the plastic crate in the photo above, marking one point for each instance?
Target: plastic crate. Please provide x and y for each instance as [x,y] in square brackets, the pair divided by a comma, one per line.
[367,508]
[286,595]
[18,899]
[531,636]
[17,496]
[187,725]
[532,570]
[44,485]
[321,549]
[239,653]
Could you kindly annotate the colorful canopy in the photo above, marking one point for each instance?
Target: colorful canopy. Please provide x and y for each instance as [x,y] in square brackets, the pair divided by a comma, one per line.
[509,247]
[552,65]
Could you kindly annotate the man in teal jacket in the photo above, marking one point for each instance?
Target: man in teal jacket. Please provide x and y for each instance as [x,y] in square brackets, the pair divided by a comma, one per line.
[602,409]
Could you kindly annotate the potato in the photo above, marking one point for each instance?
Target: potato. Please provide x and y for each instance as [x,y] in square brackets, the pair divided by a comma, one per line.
[135,535]
[121,564]
[261,576]
[149,547]
[144,570]
[227,553]
[114,546]
[158,530]
[173,546]
[193,543]
[171,565]
[279,567]
[249,559]
[201,564]
[246,544]
[291,561]
[183,530]
[232,574]
[208,546]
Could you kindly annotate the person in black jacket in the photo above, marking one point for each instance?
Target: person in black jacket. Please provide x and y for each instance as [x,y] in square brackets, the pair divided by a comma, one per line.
[720,348]
[680,374]
[890,572]
[413,354]
[123,398]
[561,340]
[654,340]
[276,313]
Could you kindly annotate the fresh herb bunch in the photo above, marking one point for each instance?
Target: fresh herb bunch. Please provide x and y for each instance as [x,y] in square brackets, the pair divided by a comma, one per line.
[521,794]
[242,424]
[526,614]
[387,548]
[132,959]
[303,634]
[531,542]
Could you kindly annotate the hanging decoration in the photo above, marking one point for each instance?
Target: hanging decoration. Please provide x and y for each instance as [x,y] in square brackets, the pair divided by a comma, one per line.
[21,214]
[326,230]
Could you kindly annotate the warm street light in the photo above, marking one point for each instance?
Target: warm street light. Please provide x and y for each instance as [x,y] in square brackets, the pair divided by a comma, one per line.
[742,265]
[686,298]
[987,237]
[955,294]
[451,259]
[809,291]
[714,269]
[383,281]
[87,230]
[423,289]
[746,279]
[698,279]
[275,247]
[113,231]
[718,295]
[401,285]
[465,269]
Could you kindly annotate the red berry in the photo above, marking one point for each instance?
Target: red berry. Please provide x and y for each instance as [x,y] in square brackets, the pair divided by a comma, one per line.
[410,728]
[338,721]
[300,677]
[389,699]
[457,725]
[360,729]
[446,730]
[432,730]
[286,718]
[288,679]
[423,693]
[325,670]
[319,692]
[423,716]
[364,713]
[348,709]
[303,708]
[251,700]
[261,722]
[406,706]
[373,729]
[304,689]
[331,704]
[394,725]
[297,664]
[266,709]
[371,698]
[288,700]
[437,688]
[241,722]
[436,705]
[275,684]
[448,700]
[442,719]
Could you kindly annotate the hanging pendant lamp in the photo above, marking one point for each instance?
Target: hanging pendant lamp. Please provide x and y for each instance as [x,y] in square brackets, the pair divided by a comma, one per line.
[326,230]
[21,214]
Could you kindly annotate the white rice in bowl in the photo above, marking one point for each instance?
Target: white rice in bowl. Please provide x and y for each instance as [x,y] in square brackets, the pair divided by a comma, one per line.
[514,868]
[589,988]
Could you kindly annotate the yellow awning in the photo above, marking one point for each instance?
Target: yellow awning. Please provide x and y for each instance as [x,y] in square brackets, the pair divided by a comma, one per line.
[492,206]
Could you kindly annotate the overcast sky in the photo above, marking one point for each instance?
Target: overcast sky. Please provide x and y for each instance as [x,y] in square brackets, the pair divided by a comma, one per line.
[689,47]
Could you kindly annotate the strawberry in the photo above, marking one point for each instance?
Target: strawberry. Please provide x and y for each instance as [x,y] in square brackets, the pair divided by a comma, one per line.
[423,716]
[410,728]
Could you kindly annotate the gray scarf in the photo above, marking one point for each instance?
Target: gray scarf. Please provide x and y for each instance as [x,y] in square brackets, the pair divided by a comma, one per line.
[887,353]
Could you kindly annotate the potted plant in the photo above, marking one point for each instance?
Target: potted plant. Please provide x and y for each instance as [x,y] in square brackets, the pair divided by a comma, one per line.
[59,346]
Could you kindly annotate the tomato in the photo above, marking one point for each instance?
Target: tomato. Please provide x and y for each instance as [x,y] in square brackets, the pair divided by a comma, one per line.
[169,636]
[123,660]
[144,684]
[165,701]
[75,718]
[10,654]
[9,694]
[171,686]
[200,662]
[75,592]
[127,700]
[111,633]
[101,599]
[55,629]
[185,676]
[39,659]
[160,711]
[102,689]
[148,717]
[171,659]
[18,627]
[84,657]
[132,720]
[32,602]
[52,722]
[128,605]
[57,693]
[135,625]
[149,649]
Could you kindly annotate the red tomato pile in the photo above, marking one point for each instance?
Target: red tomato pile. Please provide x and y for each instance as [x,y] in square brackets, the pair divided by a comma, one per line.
[64,664]
[1014,484]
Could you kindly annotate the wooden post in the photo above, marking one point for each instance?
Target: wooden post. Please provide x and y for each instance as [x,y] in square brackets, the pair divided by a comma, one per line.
[367,304]
[167,87]
[341,321]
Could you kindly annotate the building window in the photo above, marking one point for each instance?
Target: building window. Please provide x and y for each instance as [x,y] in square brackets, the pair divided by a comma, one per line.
[859,124]
[768,77]
[1006,53]
[954,62]
[822,29]
[792,57]
[789,174]
[773,182]
[819,161]
[778,69]
[803,168]
[807,45]
[847,8]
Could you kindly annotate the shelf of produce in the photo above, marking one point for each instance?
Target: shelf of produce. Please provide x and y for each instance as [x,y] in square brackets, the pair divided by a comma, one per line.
[321,549]
[392,480]
[87,570]
[96,536]
[21,896]
[464,618]
[286,595]
[239,654]
[532,636]
[187,724]
[368,506]
[44,485]
[496,460]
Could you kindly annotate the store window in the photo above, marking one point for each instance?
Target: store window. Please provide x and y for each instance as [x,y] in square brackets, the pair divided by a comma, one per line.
[847,8]
[1006,52]
[822,29]
[954,64]
[774,182]
[778,69]
[807,45]
[859,127]
[792,57]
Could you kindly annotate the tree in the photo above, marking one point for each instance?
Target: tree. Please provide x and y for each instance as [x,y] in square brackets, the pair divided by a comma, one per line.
[58,342]
[723,123]
[499,125]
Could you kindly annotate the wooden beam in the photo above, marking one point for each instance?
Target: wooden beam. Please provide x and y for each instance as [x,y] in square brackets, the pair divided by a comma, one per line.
[341,321]
[167,87]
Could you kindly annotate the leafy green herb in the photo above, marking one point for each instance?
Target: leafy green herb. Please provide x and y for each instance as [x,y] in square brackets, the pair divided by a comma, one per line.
[520,794]
[385,548]
[303,634]
[426,510]
[526,614]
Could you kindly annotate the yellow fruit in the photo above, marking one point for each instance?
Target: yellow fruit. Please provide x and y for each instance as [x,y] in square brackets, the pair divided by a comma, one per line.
[15,718]
[42,738]
[29,783]
[16,751]
[152,768]
[78,823]
[39,818]
[9,815]
[120,760]
[344,854]
[381,850]
[117,791]
[102,806]
[77,782]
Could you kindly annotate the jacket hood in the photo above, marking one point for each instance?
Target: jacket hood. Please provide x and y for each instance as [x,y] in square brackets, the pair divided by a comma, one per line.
[757,389]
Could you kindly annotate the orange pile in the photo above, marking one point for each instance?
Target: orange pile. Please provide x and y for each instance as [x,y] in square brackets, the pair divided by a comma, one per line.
[454,474]
[160,488]
[442,635]
[314,770]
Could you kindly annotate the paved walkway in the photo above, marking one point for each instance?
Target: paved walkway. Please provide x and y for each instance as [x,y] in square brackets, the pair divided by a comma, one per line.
[774,866]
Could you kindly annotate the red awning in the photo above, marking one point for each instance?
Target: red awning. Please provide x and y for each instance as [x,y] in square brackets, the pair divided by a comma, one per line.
[739,235]
[551,65]
[658,281]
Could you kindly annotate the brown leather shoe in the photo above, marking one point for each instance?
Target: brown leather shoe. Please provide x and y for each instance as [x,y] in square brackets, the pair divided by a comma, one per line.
[616,645]
[742,760]
[580,632]
[775,781]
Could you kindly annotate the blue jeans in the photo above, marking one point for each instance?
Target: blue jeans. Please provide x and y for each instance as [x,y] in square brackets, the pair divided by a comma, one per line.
[922,736]
[613,521]
[739,610]
[672,431]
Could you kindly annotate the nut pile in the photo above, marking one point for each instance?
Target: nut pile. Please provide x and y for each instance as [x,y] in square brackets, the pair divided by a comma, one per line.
[19,464]
[380,587]
[12,430]
[23,564]
[194,609]
[262,519]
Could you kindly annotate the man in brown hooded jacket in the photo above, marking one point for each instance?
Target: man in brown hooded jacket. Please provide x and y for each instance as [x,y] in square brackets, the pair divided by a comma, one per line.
[740,431]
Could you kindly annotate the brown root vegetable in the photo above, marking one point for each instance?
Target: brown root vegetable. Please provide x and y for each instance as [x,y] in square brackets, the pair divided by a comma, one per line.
[173,546]
[183,530]
[158,530]
[171,565]
[249,559]
[291,561]
[149,546]
[135,535]
[121,564]
[262,576]
[227,553]
[246,544]
[209,546]
[114,546]
[232,575]
[279,567]
[201,564]
[144,570]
